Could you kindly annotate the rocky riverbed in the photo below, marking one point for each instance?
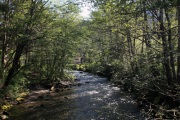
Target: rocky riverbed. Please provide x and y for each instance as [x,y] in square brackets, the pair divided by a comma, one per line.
[90,98]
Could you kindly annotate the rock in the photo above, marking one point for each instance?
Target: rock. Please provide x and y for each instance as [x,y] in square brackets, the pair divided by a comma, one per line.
[118,82]
[87,82]
[18,103]
[81,72]
[41,97]
[62,84]
[76,79]
[69,89]
[5,113]
[48,95]
[47,99]
[57,90]
[70,85]
[58,85]
[66,97]
[62,89]
[52,88]
[74,84]
[79,84]
[100,73]
[66,86]
[4,117]
[42,105]
[7,98]
[30,106]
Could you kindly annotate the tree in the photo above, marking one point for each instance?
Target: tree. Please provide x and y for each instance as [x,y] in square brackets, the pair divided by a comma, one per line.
[178,58]
[24,21]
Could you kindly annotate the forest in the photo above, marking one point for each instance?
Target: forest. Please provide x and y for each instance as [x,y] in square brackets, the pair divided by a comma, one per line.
[134,43]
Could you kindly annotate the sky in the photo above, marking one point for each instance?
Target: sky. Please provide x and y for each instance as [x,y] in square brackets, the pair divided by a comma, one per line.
[85,11]
[85,8]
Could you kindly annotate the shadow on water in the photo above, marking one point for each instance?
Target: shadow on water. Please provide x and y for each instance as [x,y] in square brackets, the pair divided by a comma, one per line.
[95,99]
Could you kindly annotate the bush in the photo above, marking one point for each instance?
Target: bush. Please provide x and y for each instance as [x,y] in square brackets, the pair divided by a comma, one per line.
[17,86]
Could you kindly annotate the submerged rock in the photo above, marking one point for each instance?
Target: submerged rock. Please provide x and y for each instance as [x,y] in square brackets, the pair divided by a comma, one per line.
[76,80]
[79,84]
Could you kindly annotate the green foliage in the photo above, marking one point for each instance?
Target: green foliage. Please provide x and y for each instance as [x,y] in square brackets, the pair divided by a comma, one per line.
[38,42]
[129,44]
[132,42]
[17,86]
[68,77]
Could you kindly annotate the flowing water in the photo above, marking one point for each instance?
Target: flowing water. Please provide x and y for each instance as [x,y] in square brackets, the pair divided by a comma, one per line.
[94,98]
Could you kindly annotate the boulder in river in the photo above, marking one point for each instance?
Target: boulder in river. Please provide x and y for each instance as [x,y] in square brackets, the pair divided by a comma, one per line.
[79,84]
[87,82]
[76,79]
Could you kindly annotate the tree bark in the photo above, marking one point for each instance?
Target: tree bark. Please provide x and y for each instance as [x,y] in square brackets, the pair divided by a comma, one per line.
[145,35]
[166,60]
[171,49]
[131,51]
[4,37]
[178,55]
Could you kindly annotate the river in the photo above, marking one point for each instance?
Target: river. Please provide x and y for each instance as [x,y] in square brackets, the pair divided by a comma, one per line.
[94,98]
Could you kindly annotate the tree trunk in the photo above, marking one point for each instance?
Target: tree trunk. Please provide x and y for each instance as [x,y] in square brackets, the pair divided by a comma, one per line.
[171,49]
[131,50]
[145,35]
[166,60]
[3,52]
[4,38]
[15,65]
[178,57]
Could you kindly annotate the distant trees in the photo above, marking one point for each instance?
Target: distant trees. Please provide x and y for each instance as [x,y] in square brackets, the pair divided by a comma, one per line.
[145,30]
